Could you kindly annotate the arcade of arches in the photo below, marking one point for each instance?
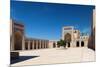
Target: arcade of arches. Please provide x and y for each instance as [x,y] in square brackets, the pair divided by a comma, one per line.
[80,44]
[36,44]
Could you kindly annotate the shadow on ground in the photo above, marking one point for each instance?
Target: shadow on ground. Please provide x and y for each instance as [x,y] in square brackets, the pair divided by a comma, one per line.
[21,58]
[62,49]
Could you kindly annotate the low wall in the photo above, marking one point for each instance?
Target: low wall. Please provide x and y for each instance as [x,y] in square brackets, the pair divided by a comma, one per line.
[14,55]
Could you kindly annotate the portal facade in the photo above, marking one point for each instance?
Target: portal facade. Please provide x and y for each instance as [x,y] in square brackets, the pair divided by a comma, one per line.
[73,37]
[17,35]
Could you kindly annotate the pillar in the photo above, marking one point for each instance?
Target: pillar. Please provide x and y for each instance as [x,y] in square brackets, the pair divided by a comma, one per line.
[72,35]
[85,43]
[74,43]
[36,44]
[79,43]
[12,43]
[28,45]
[42,44]
[46,44]
[11,36]
[23,43]
[33,44]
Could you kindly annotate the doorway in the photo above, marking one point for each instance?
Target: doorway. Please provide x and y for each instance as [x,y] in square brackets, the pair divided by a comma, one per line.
[68,44]
[26,45]
[31,45]
[82,44]
[54,45]
[77,44]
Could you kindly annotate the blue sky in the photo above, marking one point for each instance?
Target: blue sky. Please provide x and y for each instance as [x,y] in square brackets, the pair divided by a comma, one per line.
[45,20]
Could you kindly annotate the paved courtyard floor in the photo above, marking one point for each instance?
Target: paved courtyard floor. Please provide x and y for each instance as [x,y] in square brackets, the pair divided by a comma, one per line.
[57,55]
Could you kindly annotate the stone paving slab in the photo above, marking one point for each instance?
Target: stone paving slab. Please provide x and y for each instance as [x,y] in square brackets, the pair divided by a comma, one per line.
[57,55]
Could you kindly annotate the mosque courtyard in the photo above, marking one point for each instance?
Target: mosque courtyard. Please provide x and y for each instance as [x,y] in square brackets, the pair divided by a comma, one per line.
[55,56]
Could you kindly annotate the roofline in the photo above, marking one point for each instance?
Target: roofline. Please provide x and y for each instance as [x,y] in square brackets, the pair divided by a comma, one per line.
[15,21]
[30,38]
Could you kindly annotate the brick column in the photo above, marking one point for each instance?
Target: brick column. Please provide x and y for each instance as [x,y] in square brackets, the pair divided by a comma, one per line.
[23,43]
[46,44]
[79,43]
[28,45]
[43,44]
[71,43]
[12,43]
[11,36]
[86,43]
[36,44]
[33,44]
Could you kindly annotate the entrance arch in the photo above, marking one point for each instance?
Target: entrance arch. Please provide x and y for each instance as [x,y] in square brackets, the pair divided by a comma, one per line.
[54,45]
[82,43]
[67,38]
[34,44]
[18,40]
[31,45]
[38,45]
[77,44]
[26,45]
